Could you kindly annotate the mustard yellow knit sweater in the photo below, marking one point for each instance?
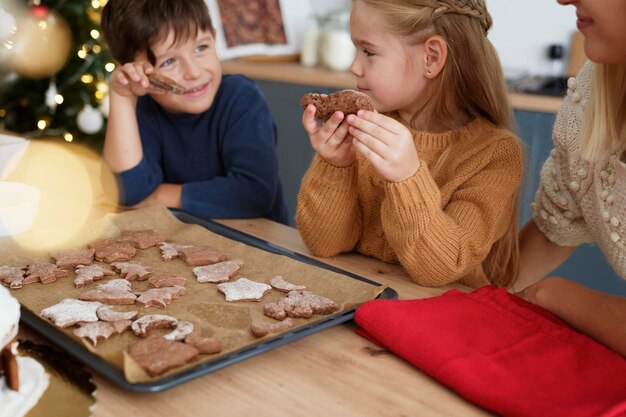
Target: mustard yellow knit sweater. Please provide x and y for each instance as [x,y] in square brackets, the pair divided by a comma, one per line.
[439,224]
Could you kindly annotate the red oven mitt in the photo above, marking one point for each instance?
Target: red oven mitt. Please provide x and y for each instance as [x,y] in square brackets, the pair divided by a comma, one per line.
[501,352]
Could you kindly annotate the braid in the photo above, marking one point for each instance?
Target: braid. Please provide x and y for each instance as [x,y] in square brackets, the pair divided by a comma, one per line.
[475,9]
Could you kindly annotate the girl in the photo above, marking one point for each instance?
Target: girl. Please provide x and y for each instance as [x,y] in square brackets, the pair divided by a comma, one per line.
[581,197]
[430,180]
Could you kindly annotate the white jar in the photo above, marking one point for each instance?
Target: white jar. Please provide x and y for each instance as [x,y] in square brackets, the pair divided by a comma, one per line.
[310,44]
[336,49]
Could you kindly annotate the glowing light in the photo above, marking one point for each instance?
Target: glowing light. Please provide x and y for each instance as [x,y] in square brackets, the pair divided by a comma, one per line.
[68,137]
[95,4]
[102,86]
[58,99]
[82,54]
[43,25]
[42,124]
[99,95]
[96,49]
[86,78]
[95,34]
[3,112]
[110,67]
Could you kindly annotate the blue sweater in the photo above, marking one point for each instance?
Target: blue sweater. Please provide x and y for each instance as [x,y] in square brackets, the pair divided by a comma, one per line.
[225,157]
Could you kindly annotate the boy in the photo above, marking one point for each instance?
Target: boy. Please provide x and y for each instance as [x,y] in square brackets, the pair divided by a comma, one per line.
[210,150]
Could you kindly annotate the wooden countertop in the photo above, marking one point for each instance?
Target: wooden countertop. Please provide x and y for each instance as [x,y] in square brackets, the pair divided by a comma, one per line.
[294,73]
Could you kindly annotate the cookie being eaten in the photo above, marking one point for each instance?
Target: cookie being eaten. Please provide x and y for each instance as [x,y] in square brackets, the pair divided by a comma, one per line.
[346,101]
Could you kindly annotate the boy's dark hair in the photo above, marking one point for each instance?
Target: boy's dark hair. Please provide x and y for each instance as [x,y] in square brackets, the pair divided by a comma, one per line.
[132,26]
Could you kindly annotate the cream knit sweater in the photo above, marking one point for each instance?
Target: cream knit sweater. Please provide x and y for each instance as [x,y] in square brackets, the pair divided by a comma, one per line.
[578,201]
[440,226]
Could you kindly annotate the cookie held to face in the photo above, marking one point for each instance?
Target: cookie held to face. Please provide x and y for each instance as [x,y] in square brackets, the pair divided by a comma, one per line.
[346,101]
[164,84]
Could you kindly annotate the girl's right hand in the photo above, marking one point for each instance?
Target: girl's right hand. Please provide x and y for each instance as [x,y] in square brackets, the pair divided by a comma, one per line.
[330,140]
[131,79]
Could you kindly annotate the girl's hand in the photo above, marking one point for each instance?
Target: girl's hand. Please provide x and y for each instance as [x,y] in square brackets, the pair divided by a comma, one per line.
[330,140]
[131,79]
[386,143]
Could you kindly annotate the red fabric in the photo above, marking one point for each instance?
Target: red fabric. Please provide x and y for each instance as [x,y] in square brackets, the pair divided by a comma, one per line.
[501,352]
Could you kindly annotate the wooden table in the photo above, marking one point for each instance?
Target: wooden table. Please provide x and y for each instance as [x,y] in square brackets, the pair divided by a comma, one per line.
[331,373]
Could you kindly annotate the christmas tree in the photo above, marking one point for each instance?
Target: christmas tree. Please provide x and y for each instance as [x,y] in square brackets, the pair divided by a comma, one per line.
[54,69]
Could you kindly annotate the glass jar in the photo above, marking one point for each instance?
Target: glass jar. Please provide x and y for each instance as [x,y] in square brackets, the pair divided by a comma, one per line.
[309,50]
[336,49]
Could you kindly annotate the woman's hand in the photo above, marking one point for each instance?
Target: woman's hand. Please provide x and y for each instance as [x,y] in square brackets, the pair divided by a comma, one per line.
[131,79]
[386,143]
[330,140]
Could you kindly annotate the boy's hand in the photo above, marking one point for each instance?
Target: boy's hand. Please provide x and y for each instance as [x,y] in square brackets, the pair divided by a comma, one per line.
[386,143]
[131,79]
[330,140]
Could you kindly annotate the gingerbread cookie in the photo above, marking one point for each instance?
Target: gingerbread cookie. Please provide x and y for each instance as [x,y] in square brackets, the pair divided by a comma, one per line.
[142,239]
[163,84]
[244,290]
[202,255]
[114,292]
[144,324]
[346,101]
[70,311]
[71,258]
[12,276]
[163,280]
[88,274]
[205,345]
[110,250]
[263,329]
[101,330]
[219,272]
[181,331]
[160,297]
[44,273]
[169,251]
[157,355]
[131,271]
[106,313]
[300,304]
[279,283]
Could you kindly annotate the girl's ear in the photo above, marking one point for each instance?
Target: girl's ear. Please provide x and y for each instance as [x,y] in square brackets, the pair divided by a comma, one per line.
[435,55]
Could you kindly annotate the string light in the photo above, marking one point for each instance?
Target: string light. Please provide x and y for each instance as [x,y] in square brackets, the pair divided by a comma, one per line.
[82,54]
[42,124]
[110,67]
[95,34]
[58,99]
[68,137]
[87,78]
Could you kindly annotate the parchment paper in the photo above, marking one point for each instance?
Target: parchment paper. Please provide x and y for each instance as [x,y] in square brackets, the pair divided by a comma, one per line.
[202,305]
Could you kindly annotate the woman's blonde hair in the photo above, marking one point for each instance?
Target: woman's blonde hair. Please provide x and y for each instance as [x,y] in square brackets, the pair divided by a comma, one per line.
[605,127]
[471,80]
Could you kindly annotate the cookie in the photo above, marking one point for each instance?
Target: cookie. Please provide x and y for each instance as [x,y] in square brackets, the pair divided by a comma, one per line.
[44,273]
[70,311]
[101,330]
[71,258]
[205,345]
[106,313]
[86,275]
[263,329]
[279,283]
[131,271]
[181,331]
[164,280]
[346,101]
[157,355]
[110,250]
[243,290]
[12,276]
[202,255]
[164,84]
[169,251]
[160,297]
[300,304]
[114,292]
[144,324]
[219,272]
[142,239]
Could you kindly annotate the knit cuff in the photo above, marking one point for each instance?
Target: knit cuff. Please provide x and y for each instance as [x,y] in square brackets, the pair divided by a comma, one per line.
[323,174]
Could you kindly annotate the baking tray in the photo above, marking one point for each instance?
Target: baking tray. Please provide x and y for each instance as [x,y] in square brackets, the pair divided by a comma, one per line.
[117,376]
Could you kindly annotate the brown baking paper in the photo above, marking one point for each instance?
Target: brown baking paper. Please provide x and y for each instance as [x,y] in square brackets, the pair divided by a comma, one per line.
[202,305]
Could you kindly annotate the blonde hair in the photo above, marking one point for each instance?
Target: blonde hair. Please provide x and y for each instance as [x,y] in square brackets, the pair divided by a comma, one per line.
[471,80]
[605,126]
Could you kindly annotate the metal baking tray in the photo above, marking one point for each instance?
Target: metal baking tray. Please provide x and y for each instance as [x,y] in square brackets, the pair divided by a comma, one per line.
[117,376]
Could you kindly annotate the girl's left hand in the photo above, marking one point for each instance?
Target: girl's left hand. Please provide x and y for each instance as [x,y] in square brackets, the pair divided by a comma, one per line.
[386,143]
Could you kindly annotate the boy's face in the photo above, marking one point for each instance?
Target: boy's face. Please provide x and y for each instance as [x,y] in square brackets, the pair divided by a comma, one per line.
[194,64]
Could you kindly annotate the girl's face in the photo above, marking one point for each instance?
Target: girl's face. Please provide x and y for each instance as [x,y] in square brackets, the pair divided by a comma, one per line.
[386,66]
[192,63]
[603,23]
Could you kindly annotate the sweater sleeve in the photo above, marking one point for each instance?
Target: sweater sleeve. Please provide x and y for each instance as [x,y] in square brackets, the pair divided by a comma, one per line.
[250,184]
[438,245]
[328,215]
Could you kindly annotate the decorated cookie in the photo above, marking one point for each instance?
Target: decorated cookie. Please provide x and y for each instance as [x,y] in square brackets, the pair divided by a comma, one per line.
[346,101]
[106,313]
[144,324]
[86,275]
[219,272]
[142,239]
[71,258]
[160,297]
[279,283]
[110,250]
[244,290]
[114,292]
[101,329]
[164,280]
[181,331]
[300,304]
[70,311]
[169,251]
[263,329]
[131,271]
[12,276]
[157,355]
[44,273]
[202,255]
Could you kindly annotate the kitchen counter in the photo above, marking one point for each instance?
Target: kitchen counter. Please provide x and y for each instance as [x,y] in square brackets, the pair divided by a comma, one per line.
[294,73]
